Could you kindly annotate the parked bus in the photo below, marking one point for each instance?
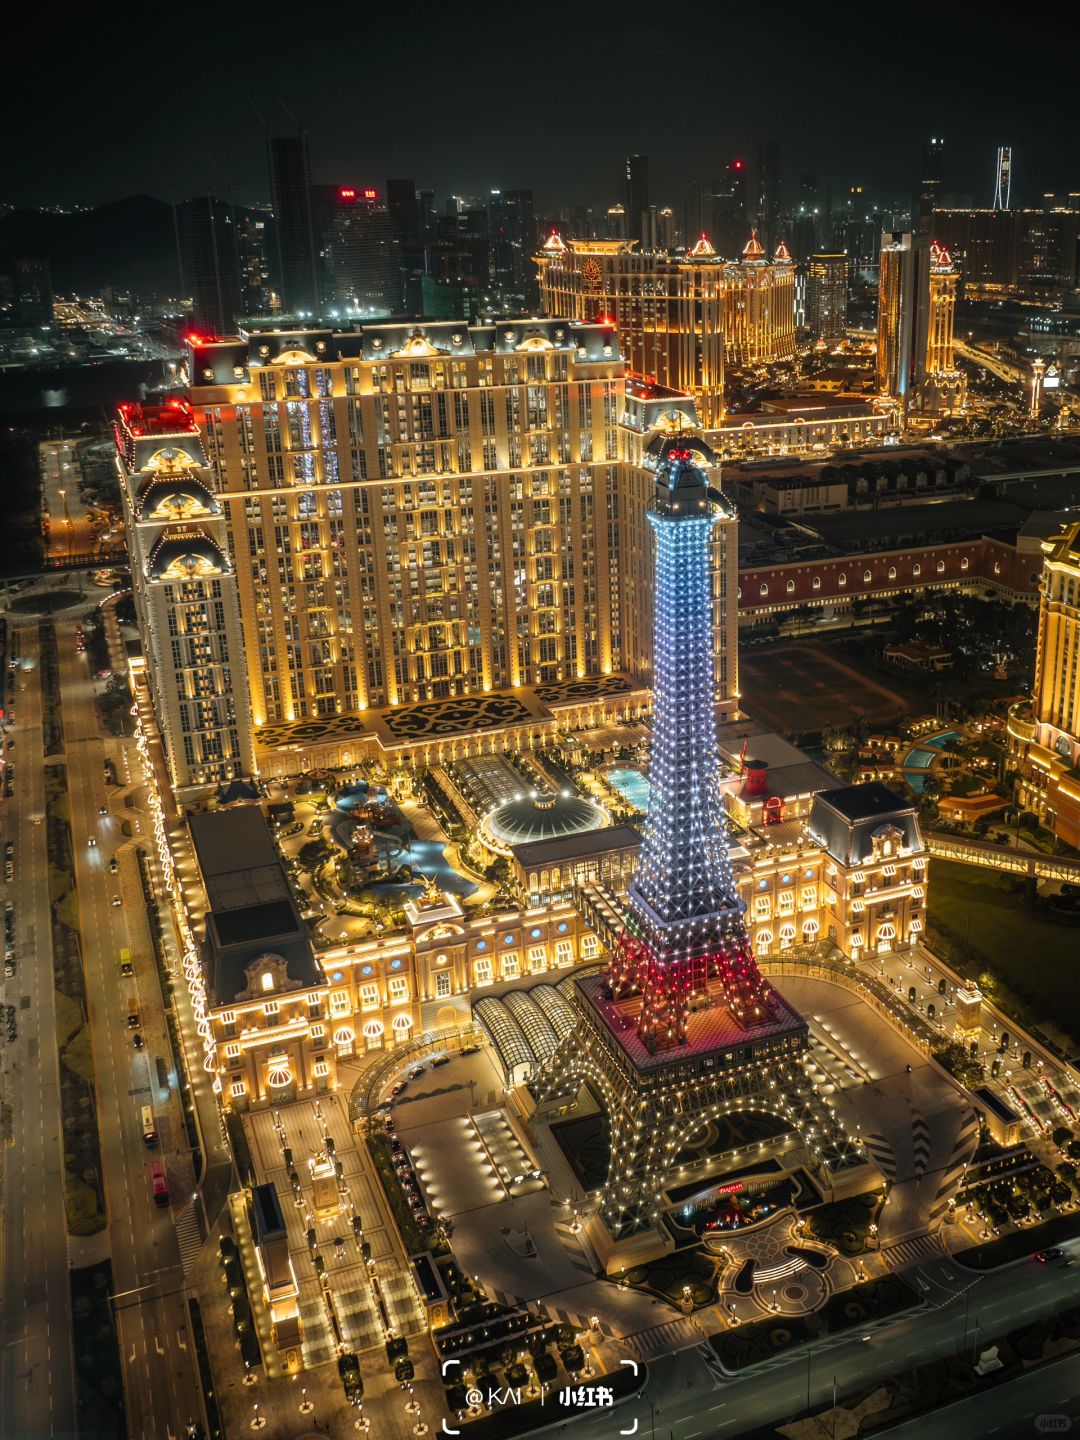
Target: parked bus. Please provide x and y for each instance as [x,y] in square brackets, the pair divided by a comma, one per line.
[160,1184]
[149,1129]
[126,967]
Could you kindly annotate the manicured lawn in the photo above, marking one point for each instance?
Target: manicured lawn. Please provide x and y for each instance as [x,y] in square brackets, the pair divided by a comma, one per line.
[1031,955]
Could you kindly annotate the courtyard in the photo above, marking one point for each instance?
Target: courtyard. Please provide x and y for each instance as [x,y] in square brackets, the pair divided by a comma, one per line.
[821,689]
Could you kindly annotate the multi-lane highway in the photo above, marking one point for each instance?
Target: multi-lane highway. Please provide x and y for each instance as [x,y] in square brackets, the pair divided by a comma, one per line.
[37,1393]
[155,1350]
[685,1399]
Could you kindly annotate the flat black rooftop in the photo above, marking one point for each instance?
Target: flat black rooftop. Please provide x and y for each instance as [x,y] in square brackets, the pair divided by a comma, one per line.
[865,802]
[928,524]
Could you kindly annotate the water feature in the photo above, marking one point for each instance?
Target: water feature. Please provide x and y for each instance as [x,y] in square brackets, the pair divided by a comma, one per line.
[631,785]
[923,756]
[425,857]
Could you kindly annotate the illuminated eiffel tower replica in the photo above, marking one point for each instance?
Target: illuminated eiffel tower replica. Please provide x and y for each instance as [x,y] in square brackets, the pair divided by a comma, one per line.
[681,1027]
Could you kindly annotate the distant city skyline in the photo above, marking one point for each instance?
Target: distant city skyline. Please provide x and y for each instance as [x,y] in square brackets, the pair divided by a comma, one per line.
[461,112]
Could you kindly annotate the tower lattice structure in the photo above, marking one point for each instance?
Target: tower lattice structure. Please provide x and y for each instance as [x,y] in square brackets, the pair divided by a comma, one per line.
[685,946]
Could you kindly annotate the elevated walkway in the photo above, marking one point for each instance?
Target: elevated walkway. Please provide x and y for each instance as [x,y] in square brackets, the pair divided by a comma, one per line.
[1007,858]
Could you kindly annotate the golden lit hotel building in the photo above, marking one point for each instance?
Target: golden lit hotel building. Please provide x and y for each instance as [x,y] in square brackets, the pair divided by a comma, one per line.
[668,309]
[185,590]
[1045,737]
[759,306]
[944,386]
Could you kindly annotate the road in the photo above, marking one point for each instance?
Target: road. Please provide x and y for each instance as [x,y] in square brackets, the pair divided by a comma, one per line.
[37,1393]
[157,1361]
[684,1399]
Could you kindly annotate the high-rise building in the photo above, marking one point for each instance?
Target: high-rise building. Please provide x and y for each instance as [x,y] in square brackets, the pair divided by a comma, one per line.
[511,226]
[404,207]
[636,196]
[759,306]
[417,512]
[668,309]
[253,243]
[826,295]
[294,224]
[942,318]
[903,313]
[359,257]
[1045,741]
[767,191]
[928,196]
[32,292]
[1022,252]
[726,219]
[1003,178]
[210,263]
[184,585]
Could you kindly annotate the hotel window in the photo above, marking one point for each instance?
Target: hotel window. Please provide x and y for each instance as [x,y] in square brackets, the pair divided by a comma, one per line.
[239,1089]
[228,1017]
[369,997]
[564,952]
[483,972]
[764,591]
[442,985]
[916,570]
[762,907]
[511,966]
[964,563]
[537,957]
[339,1000]
[941,567]
[809,897]
[892,572]
[232,1051]
[866,577]
[816,582]
[399,989]
[317,1032]
[270,1008]
[790,587]
[841,580]
[785,902]
[590,947]
[888,870]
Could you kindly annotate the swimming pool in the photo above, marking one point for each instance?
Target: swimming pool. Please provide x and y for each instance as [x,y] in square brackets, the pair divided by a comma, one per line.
[923,756]
[632,786]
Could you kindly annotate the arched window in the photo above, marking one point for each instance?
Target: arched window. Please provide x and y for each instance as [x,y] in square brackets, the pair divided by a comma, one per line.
[866,577]
[841,580]
[764,591]
[892,572]
[941,567]
[816,582]
[790,587]
[916,570]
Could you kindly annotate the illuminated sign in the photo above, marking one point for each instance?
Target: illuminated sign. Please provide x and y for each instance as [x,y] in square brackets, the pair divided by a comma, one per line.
[346,194]
[733,1188]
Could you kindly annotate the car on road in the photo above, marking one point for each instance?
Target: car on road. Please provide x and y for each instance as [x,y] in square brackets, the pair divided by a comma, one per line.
[1043,1257]
[9,871]
[137,1040]
[113,866]
[9,850]
[103,809]
[92,841]
[117,902]
[9,968]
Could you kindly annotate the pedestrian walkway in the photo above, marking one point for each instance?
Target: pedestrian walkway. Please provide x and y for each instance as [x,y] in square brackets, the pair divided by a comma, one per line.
[188,1236]
[666,1339]
[882,1153]
[910,1252]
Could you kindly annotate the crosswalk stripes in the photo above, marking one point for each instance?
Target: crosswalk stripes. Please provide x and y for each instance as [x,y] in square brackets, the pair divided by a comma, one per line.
[882,1154]
[188,1237]
[665,1339]
[906,1253]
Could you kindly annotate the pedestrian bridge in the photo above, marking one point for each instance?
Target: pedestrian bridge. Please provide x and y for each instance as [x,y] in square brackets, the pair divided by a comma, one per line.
[1007,858]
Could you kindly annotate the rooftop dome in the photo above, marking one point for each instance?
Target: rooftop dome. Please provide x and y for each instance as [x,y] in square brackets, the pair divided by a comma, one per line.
[543,816]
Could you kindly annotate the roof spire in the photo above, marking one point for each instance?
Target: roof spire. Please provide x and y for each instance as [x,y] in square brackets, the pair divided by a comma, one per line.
[703,248]
[753,249]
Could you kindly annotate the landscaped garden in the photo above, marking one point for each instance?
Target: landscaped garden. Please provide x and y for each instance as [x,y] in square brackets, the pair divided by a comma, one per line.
[845,1224]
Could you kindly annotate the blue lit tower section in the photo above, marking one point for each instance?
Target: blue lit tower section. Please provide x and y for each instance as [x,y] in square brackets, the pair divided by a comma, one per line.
[685,947]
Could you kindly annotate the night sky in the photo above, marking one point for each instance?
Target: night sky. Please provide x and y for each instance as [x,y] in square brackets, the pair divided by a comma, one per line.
[109,101]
